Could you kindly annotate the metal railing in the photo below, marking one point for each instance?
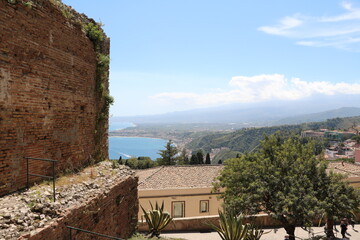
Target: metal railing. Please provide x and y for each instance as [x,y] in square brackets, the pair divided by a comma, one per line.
[39,175]
[89,232]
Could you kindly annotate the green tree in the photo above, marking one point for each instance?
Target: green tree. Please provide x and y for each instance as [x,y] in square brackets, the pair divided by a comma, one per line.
[200,157]
[338,199]
[285,179]
[168,156]
[183,158]
[356,138]
[193,159]
[208,160]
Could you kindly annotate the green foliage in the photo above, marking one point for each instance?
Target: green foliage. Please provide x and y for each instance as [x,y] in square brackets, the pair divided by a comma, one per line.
[138,236]
[225,154]
[246,139]
[193,159]
[337,199]
[168,156]
[12,1]
[200,156]
[231,227]
[183,158]
[103,61]
[28,4]
[157,219]
[284,179]
[254,233]
[356,138]
[208,160]
[138,163]
[94,33]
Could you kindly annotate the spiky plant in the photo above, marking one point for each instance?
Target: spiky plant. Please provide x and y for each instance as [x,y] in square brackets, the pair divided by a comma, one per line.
[157,219]
[231,227]
[254,233]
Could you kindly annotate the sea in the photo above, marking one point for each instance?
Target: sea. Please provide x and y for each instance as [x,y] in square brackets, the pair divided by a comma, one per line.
[128,147]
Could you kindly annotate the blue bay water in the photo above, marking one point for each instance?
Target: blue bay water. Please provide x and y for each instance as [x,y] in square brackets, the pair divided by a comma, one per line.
[127,147]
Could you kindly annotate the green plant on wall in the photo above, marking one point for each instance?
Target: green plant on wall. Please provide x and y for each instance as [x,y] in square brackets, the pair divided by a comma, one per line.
[28,4]
[94,33]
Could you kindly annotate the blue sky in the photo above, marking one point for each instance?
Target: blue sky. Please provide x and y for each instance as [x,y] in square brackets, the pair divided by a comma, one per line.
[171,55]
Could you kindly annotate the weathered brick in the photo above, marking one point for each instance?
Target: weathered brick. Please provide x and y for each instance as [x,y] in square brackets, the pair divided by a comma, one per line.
[48,99]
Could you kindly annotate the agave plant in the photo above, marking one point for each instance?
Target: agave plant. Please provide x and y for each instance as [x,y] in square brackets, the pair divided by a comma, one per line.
[157,219]
[231,227]
[254,233]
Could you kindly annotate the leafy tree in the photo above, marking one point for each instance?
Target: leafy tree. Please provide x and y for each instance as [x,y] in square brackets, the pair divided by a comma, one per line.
[284,179]
[183,158]
[193,159]
[338,199]
[140,163]
[168,156]
[208,160]
[356,138]
[200,157]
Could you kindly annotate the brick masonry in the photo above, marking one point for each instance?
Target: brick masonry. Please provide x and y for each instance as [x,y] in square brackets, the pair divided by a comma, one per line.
[48,99]
[113,213]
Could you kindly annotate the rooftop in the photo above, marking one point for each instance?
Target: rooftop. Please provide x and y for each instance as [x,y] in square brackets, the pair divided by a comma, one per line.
[178,177]
[349,169]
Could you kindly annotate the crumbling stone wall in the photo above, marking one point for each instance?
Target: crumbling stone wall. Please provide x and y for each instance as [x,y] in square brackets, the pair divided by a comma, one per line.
[49,104]
[113,213]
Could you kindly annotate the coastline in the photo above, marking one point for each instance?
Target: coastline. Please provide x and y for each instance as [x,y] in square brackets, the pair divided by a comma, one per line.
[136,137]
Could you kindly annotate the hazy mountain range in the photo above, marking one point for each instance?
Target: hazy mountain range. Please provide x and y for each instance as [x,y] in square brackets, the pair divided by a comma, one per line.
[261,114]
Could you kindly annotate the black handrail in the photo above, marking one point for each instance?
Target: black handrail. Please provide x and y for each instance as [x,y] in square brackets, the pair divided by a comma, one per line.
[38,175]
[93,233]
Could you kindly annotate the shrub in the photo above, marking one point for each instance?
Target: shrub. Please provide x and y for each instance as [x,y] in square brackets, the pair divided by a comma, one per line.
[157,219]
[94,33]
[231,227]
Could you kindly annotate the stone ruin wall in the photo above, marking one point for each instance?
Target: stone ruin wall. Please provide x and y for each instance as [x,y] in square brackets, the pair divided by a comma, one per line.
[113,213]
[49,104]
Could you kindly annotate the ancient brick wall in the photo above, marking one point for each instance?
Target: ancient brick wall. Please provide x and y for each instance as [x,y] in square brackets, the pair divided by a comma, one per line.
[49,104]
[113,213]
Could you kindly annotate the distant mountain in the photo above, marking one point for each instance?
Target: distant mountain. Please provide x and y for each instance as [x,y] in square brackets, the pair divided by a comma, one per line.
[248,139]
[321,116]
[260,114]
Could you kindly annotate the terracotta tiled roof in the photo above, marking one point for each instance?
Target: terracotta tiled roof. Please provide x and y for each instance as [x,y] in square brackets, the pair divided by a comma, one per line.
[178,177]
[349,169]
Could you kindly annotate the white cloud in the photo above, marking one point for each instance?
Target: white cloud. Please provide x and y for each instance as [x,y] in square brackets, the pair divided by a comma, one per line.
[283,27]
[321,31]
[244,89]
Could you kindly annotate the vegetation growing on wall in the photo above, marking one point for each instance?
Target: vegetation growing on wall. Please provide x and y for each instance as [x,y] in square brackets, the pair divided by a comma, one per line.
[97,36]
[94,32]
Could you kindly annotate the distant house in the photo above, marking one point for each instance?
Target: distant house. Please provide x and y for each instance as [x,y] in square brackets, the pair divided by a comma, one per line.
[357,156]
[352,171]
[313,134]
[338,135]
[185,190]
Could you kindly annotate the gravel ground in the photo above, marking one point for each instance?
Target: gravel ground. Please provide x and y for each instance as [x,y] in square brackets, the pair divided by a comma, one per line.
[23,212]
